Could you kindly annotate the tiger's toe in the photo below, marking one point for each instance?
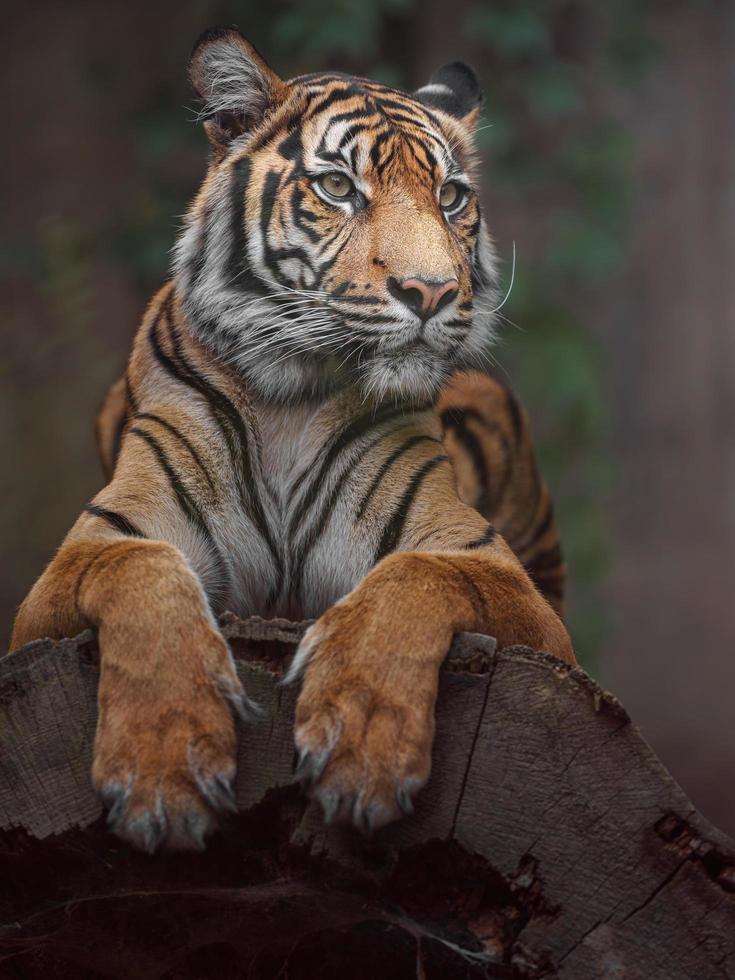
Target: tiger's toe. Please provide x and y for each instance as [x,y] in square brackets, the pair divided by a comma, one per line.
[176,815]
[363,759]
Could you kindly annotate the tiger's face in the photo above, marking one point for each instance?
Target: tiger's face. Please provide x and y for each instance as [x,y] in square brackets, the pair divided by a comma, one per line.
[337,238]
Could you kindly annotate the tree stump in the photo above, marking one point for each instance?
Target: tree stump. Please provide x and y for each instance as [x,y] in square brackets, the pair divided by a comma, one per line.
[549,842]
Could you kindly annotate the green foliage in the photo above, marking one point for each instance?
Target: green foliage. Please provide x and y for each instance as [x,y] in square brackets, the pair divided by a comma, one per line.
[510,30]
[311,30]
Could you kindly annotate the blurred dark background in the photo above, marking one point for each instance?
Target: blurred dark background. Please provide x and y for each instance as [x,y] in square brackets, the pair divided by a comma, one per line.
[609,145]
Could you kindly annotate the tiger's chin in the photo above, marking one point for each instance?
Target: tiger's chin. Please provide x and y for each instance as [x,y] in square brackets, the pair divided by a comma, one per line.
[293,379]
[412,374]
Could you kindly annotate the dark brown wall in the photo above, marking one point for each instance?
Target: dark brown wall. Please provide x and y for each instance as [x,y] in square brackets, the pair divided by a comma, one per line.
[671,339]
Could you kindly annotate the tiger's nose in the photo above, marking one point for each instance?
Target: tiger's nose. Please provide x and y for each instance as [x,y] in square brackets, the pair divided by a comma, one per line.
[422,296]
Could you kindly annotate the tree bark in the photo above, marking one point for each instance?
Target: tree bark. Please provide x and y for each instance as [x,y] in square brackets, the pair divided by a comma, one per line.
[549,842]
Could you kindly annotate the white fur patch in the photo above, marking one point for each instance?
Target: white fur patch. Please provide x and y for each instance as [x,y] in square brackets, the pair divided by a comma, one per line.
[234,83]
[304,652]
[435,89]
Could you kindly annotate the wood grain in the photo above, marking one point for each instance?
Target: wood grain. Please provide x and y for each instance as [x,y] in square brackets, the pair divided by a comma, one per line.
[549,838]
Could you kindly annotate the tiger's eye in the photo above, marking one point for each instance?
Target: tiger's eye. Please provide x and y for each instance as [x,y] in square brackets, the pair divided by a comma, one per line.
[336,185]
[449,195]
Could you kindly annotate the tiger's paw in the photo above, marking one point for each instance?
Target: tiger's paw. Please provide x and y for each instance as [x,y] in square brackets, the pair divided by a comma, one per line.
[364,721]
[164,760]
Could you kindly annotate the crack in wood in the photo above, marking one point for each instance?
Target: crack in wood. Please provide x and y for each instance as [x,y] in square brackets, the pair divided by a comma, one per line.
[471,754]
[512,727]
[657,890]
[579,942]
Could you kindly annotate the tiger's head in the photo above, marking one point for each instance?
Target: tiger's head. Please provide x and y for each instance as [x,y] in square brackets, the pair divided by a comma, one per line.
[337,237]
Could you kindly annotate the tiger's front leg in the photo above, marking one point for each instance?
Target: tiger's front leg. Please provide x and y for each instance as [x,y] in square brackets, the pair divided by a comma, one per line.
[164,752]
[365,715]
[134,567]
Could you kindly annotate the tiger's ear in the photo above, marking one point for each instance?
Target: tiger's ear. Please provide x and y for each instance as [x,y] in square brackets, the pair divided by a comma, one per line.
[234,84]
[454,89]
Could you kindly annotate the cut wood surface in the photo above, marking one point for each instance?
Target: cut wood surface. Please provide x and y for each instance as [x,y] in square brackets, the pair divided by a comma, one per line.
[549,842]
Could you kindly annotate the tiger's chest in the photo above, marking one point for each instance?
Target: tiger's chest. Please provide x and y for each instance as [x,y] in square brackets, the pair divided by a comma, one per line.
[307,555]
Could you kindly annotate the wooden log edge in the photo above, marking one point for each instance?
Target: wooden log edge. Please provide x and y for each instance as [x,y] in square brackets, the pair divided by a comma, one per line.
[580,854]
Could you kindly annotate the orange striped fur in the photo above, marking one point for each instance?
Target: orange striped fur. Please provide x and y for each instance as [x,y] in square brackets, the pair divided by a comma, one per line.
[274,449]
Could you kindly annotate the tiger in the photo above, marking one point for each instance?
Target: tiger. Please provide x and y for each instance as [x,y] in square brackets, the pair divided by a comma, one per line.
[306,429]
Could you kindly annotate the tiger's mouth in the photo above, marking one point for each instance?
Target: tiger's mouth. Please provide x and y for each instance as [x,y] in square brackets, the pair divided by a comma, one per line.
[413,371]
[410,364]
[304,347]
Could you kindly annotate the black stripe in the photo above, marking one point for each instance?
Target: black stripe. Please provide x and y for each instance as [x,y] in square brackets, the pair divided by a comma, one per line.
[417,158]
[238,274]
[119,431]
[118,521]
[364,300]
[101,555]
[182,438]
[188,505]
[404,448]
[537,497]
[357,428]
[394,528]
[272,256]
[272,130]
[406,119]
[474,594]
[228,420]
[384,163]
[236,260]
[117,438]
[267,206]
[541,529]
[349,133]
[487,537]
[326,264]
[291,146]
[377,144]
[225,415]
[369,318]
[514,410]
[130,394]
[545,561]
[131,403]
[388,106]
[507,471]
[186,502]
[341,94]
[316,530]
[184,374]
[474,228]
[454,418]
[298,214]
[196,265]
